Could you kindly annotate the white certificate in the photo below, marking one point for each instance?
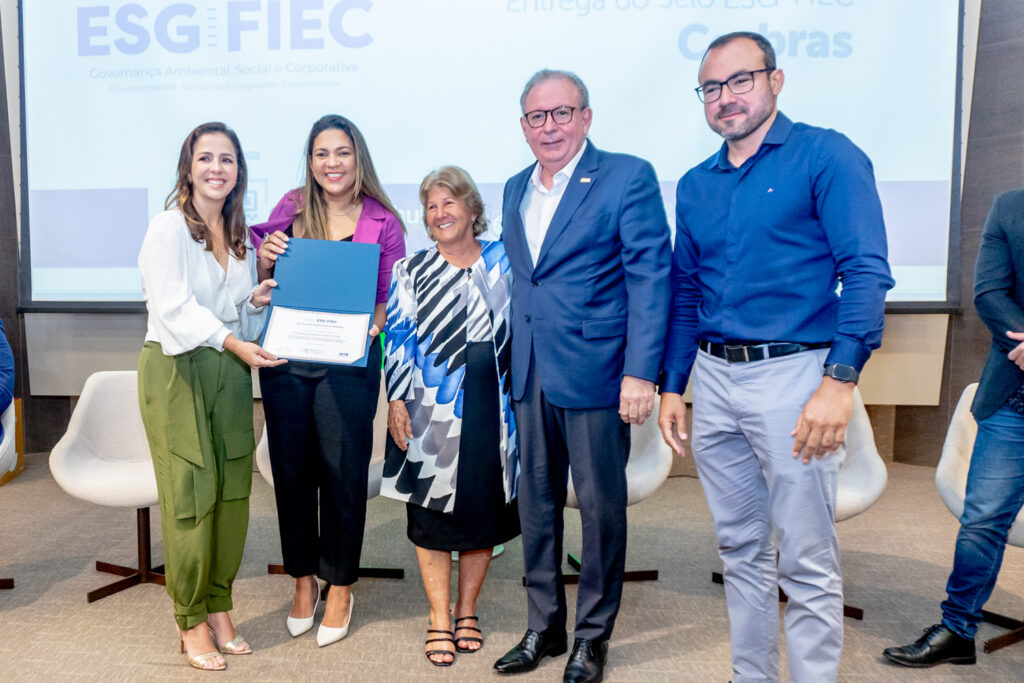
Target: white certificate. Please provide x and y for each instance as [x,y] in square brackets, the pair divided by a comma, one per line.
[316,336]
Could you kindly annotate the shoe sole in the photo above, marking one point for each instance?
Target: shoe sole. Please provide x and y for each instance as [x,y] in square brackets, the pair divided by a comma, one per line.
[927,665]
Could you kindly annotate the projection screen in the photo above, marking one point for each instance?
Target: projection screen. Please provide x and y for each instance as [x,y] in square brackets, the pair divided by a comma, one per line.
[111,89]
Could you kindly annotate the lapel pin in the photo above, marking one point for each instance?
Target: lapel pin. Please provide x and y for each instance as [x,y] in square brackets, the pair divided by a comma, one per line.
[584,180]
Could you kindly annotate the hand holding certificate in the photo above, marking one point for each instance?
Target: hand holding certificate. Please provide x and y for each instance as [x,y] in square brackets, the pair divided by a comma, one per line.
[322,308]
[316,336]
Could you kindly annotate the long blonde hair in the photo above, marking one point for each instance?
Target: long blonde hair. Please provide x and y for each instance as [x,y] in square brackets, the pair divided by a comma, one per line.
[311,216]
[235,230]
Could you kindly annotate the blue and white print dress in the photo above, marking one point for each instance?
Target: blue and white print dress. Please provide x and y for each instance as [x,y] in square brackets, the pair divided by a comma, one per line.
[434,309]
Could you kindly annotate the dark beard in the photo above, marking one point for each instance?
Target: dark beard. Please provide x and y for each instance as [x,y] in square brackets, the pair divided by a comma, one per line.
[734,134]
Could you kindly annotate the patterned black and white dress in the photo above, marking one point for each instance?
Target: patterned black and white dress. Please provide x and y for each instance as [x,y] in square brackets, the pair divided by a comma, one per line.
[447,357]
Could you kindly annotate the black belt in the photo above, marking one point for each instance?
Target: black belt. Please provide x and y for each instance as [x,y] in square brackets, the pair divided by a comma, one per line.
[743,353]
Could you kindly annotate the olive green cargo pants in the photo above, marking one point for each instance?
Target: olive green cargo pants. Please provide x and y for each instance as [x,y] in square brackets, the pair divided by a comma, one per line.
[197,409]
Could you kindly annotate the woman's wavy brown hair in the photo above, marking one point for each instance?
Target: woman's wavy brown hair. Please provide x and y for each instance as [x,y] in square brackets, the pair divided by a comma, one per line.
[235,230]
[312,213]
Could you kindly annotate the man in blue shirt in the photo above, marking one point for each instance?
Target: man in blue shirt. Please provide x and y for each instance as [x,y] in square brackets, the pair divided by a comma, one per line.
[6,375]
[766,230]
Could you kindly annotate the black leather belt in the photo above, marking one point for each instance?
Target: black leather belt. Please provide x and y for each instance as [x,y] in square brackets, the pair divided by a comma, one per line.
[744,353]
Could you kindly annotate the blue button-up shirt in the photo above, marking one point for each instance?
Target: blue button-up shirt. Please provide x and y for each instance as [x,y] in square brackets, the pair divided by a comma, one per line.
[6,374]
[761,249]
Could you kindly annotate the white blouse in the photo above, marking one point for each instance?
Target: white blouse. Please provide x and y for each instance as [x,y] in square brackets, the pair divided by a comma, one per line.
[191,300]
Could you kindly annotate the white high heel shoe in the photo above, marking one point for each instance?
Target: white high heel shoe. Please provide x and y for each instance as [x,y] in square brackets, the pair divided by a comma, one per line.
[299,625]
[325,635]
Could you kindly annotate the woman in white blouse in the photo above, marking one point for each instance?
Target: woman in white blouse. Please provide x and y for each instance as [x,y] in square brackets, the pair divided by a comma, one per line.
[195,385]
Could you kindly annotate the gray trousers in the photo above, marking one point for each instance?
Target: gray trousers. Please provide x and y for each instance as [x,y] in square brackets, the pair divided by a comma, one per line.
[773,515]
[595,443]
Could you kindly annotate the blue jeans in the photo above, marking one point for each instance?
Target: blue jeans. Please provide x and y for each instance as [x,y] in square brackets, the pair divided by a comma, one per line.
[995,493]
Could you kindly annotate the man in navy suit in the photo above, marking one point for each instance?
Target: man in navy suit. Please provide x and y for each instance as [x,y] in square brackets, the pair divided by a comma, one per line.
[588,242]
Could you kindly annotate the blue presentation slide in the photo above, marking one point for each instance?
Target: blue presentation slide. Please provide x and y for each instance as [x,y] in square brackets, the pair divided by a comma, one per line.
[433,83]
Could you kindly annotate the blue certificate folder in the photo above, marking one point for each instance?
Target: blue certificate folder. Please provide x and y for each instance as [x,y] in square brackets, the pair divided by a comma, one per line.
[328,276]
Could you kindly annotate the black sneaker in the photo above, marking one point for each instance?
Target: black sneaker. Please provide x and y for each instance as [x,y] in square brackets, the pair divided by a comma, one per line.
[938,645]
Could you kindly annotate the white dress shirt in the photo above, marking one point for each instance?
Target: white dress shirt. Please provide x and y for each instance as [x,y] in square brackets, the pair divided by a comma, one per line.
[191,300]
[539,203]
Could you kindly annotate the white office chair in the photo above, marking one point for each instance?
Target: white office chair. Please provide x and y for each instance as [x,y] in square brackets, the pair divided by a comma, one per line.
[376,462]
[951,481]
[650,461]
[9,461]
[862,474]
[380,428]
[104,458]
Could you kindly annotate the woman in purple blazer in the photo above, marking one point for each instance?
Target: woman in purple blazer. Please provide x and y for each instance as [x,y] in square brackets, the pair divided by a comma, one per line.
[320,417]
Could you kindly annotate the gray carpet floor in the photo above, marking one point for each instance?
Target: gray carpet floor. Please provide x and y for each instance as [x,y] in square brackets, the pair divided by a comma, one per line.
[896,557]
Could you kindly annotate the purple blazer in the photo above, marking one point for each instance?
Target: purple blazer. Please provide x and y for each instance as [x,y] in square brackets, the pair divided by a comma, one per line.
[376,225]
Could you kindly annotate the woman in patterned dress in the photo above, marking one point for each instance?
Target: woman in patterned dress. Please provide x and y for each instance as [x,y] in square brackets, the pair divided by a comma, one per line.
[451,452]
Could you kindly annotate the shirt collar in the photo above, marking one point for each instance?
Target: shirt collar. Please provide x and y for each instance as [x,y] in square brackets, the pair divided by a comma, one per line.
[776,135]
[565,172]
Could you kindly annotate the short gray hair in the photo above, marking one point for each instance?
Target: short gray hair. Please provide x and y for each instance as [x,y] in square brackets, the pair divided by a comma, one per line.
[549,74]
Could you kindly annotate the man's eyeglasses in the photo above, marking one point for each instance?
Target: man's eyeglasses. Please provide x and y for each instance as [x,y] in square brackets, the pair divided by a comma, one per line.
[538,117]
[738,83]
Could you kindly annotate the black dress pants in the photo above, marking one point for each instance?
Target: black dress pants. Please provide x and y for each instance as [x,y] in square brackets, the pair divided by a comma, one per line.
[595,443]
[320,434]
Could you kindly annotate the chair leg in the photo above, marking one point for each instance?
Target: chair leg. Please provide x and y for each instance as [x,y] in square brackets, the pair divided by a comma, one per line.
[574,578]
[849,611]
[144,573]
[1015,635]
[364,572]
[634,575]
[381,572]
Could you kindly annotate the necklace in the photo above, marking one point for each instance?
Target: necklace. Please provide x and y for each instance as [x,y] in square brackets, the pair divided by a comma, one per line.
[355,206]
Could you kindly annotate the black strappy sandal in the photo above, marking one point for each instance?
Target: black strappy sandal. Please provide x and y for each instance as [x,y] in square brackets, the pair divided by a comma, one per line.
[471,639]
[428,653]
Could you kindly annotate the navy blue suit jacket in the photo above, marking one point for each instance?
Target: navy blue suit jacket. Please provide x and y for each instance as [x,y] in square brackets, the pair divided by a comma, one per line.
[596,304]
[999,298]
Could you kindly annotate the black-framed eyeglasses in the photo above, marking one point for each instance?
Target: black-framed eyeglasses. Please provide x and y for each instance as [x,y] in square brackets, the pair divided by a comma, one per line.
[738,83]
[538,117]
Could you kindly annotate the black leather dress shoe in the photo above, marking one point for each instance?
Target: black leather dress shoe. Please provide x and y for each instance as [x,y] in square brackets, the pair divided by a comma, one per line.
[938,645]
[531,649]
[586,663]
